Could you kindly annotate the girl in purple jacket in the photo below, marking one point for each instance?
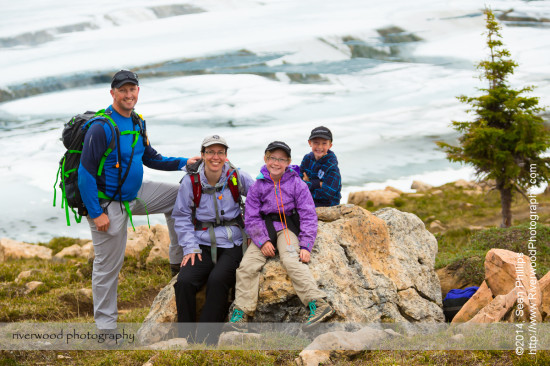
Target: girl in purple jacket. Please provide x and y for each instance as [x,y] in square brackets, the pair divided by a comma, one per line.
[279,216]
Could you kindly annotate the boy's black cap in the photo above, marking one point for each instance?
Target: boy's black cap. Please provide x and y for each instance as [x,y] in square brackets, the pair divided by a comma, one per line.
[321,132]
[123,77]
[278,145]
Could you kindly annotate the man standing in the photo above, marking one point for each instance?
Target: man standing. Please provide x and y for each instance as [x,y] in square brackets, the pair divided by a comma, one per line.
[113,189]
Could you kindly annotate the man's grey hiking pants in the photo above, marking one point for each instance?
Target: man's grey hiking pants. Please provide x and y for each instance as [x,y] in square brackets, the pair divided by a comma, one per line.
[109,246]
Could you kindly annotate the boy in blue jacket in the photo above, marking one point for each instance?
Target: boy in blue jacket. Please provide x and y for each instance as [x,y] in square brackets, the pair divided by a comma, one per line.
[319,169]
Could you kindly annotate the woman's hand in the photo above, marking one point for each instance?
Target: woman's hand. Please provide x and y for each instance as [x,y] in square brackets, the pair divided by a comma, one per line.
[267,249]
[192,257]
[304,256]
[305,178]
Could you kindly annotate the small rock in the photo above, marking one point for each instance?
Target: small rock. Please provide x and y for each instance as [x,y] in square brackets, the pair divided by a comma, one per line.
[339,344]
[437,192]
[73,251]
[88,250]
[421,186]
[458,337]
[393,189]
[26,274]
[174,343]
[393,332]
[475,228]
[416,195]
[437,226]
[461,183]
[32,286]
[237,338]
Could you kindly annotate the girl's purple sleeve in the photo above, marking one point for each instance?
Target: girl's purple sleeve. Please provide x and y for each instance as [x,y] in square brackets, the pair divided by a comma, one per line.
[254,225]
[308,217]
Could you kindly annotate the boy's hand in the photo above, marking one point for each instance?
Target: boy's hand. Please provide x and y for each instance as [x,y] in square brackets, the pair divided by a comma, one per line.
[305,178]
[267,249]
[304,256]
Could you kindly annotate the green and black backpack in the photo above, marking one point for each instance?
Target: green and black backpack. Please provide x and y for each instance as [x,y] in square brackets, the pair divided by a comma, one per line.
[72,137]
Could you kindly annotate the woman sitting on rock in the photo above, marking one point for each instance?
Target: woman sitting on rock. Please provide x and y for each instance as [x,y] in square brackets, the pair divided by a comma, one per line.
[278,201]
[210,228]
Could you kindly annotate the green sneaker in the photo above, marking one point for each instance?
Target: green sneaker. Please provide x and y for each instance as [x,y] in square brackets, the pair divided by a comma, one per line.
[320,311]
[238,321]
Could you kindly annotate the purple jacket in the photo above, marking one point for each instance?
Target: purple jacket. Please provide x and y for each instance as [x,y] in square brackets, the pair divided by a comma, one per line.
[295,195]
[190,239]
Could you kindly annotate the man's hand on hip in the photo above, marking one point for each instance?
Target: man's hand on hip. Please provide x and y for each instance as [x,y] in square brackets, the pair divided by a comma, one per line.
[102,222]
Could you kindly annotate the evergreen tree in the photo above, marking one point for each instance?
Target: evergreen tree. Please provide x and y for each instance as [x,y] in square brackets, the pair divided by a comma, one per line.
[506,140]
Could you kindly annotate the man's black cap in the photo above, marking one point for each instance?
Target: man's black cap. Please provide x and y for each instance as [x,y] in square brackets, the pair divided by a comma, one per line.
[278,145]
[123,77]
[321,132]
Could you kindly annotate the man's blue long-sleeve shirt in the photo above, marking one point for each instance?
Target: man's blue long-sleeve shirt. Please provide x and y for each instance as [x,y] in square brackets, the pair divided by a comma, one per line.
[96,141]
[323,170]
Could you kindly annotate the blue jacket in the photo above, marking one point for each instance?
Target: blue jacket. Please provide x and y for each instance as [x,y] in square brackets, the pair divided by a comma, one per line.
[96,141]
[323,170]
[228,209]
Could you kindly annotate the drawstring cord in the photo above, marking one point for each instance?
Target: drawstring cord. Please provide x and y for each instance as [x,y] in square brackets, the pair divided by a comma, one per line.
[285,226]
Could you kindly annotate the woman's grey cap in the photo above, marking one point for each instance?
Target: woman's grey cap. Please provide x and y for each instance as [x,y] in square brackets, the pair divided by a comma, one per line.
[278,145]
[321,132]
[213,140]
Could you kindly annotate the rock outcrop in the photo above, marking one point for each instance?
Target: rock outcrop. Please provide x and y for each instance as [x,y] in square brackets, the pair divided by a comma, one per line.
[421,186]
[510,292]
[544,284]
[478,301]
[373,267]
[11,249]
[156,238]
[374,198]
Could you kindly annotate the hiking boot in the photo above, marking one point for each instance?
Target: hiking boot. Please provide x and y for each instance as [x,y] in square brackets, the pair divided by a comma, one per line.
[320,311]
[238,321]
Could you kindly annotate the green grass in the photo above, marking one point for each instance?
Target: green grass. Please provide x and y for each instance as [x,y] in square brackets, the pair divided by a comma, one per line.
[280,358]
[461,245]
[138,285]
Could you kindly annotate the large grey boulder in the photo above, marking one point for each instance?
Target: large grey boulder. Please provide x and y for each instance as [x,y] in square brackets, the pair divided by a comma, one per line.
[373,267]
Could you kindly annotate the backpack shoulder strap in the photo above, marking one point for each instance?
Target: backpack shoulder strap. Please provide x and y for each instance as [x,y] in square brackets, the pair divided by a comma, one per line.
[234,183]
[197,188]
[105,117]
[197,193]
[138,120]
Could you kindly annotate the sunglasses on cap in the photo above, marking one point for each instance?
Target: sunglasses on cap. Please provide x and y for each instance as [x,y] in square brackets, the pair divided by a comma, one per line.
[124,75]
